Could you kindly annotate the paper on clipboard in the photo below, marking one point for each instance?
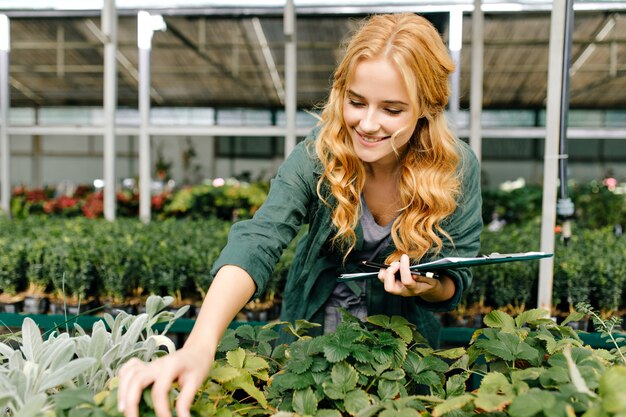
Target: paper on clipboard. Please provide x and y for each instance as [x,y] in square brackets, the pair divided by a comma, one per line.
[452,263]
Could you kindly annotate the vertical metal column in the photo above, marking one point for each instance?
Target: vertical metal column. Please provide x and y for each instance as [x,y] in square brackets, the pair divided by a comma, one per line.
[550,165]
[109,29]
[5,148]
[144,42]
[476,89]
[455,43]
[291,71]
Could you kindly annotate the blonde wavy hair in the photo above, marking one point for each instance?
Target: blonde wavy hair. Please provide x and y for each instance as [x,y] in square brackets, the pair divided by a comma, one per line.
[429,182]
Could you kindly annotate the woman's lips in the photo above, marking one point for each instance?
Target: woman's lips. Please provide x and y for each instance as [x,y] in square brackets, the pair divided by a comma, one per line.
[371,139]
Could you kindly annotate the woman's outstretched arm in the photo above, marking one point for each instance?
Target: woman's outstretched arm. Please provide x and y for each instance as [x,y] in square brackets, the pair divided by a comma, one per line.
[231,289]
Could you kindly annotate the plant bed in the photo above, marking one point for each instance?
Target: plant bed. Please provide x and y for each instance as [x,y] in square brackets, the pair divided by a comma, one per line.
[526,366]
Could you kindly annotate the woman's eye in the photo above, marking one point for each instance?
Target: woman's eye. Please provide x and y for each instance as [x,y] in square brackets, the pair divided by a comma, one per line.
[355,103]
[393,111]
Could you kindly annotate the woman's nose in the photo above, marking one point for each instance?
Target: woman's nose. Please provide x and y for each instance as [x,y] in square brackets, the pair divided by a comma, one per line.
[369,122]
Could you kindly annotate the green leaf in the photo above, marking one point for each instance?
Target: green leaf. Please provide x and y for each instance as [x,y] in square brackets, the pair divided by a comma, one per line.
[333,391]
[429,378]
[267,335]
[305,402]
[72,397]
[67,373]
[499,320]
[531,403]
[393,375]
[344,375]
[452,404]
[402,327]
[379,320]
[300,327]
[490,402]
[319,364]
[530,316]
[573,316]
[454,353]
[31,340]
[33,407]
[325,413]
[236,358]
[254,392]
[455,385]
[495,382]
[245,331]
[335,351]
[402,412]
[361,353]
[224,373]
[288,380]
[355,401]
[388,390]
[371,410]
[576,377]
[255,363]
[612,388]
[508,346]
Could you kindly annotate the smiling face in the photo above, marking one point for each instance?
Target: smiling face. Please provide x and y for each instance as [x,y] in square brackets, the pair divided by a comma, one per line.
[377,106]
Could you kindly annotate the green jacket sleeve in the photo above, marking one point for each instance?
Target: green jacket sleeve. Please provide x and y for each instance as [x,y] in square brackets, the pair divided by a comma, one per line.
[256,245]
[464,227]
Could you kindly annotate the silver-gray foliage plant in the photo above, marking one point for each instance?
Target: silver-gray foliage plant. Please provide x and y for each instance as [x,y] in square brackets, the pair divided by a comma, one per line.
[32,373]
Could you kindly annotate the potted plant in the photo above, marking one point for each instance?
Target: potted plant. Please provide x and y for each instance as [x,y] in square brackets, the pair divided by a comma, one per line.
[12,268]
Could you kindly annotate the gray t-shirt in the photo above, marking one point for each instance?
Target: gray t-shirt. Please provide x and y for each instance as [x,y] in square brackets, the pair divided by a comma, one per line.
[351,296]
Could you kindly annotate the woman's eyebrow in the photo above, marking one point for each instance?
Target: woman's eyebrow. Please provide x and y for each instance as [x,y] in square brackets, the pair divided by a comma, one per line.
[392,102]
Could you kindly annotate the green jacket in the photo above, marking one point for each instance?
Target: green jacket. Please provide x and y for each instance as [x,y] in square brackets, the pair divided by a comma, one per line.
[257,244]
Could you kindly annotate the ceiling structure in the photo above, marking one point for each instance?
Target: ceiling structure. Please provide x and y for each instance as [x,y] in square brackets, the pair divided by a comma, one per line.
[235,58]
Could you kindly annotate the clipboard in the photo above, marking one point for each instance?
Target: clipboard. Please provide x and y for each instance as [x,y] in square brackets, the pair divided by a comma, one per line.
[453,263]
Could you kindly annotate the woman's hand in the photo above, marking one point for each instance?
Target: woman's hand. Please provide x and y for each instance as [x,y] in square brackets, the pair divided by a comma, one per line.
[409,285]
[187,367]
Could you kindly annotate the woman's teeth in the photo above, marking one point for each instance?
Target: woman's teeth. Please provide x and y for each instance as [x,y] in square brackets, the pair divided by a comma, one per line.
[371,139]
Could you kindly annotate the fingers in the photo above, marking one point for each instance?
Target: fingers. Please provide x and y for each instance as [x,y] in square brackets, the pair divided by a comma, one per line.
[135,376]
[130,387]
[405,271]
[408,284]
[185,399]
[160,395]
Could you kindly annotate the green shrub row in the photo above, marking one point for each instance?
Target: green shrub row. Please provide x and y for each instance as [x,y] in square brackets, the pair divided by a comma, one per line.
[81,258]
[590,267]
[595,204]
[124,259]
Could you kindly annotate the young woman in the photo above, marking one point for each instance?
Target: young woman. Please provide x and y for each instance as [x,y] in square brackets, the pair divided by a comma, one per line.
[382,179]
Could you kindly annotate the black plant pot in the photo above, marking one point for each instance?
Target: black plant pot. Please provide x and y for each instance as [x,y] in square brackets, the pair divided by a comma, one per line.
[256,315]
[115,309]
[58,307]
[11,306]
[35,304]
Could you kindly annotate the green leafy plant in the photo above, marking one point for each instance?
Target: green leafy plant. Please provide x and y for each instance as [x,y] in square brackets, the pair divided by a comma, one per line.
[606,327]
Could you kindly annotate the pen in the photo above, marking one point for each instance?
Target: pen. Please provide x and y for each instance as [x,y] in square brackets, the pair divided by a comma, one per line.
[416,273]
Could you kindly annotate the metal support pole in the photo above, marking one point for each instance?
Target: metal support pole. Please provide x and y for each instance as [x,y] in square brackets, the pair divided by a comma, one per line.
[455,43]
[109,29]
[145,178]
[146,25]
[291,70]
[565,206]
[5,148]
[550,167]
[476,91]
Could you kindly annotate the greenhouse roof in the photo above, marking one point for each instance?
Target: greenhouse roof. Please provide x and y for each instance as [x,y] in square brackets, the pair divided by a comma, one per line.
[231,54]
